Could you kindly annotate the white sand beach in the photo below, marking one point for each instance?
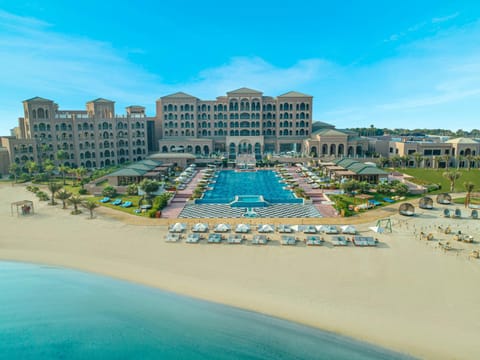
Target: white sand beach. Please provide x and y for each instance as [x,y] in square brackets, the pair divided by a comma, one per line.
[406,294]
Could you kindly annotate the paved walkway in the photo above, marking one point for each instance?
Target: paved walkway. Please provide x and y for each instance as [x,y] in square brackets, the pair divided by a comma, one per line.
[173,210]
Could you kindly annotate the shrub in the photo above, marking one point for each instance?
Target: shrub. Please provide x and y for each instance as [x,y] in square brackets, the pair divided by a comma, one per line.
[109,191]
[152,213]
[42,196]
[83,191]
[132,189]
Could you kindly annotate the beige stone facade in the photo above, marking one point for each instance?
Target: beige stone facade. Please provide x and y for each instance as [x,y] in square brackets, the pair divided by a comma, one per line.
[243,121]
[455,152]
[330,142]
[93,138]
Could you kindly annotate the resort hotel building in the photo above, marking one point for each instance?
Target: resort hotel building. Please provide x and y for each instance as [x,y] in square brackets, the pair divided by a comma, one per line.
[244,126]
[245,122]
[92,138]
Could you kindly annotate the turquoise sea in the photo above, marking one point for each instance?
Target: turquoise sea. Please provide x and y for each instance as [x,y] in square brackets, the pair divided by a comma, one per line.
[54,313]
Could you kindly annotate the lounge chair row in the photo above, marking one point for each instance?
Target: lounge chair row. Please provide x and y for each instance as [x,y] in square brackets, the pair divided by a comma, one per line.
[117,202]
[260,239]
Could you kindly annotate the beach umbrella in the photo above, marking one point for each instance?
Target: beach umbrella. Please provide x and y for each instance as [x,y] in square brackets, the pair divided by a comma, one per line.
[242,228]
[222,228]
[178,227]
[200,227]
[348,229]
[266,228]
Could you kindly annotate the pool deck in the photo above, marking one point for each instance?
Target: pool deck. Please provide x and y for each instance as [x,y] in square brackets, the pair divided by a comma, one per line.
[179,202]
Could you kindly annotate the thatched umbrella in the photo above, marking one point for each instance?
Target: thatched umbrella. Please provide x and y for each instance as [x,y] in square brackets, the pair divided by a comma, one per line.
[444,198]
[426,202]
[406,209]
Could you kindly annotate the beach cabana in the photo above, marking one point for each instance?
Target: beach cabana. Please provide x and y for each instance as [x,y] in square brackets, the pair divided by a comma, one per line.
[446,213]
[339,241]
[24,207]
[444,199]
[348,229]
[310,229]
[288,240]
[327,229]
[406,209]
[222,228]
[193,238]
[177,228]
[172,237]
[426,202]
[200,227]
[214,238]
[235,239]
[284,229]
[259,240]
[313,240]
[242,228]
[474,214]
[266,228]
[364,241]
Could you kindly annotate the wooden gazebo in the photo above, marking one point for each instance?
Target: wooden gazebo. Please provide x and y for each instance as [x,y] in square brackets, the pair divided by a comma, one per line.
[426,202]
[444,199]
[24,207]
[406,209]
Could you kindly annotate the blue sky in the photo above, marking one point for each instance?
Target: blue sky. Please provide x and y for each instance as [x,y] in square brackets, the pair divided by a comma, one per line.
[387,63]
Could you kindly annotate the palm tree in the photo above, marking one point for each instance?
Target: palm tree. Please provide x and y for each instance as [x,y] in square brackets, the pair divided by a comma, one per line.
[382,161]
[469,186]
[63,169]
[75,200]
[405,159]
[469,158]
[14,170]
[446,158]
[63,195]
[62,155]
[54,187]
[396,161]
[90,205]
[31,167]
[418,159]
[81,172]
[452,176]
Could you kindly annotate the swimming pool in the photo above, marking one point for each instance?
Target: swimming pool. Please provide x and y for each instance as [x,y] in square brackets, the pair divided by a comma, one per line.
[230,183]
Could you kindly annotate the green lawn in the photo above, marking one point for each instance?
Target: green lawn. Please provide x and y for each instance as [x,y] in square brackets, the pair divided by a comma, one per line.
[434,176]
[129,210]
[475,201]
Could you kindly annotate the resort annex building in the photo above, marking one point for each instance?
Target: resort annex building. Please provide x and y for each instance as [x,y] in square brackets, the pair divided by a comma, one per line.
[92,138]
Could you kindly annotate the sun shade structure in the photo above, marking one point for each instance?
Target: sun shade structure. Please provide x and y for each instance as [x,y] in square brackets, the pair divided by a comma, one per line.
[178,227]
[444,198]
[406,209]
[200,227]
[222,228]
[348,229]
[474,214]
[426,203]
[242,228]
[266,228]
[24,207]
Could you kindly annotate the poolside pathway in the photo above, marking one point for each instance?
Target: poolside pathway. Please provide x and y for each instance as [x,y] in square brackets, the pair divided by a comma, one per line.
[316,195]
[177,204]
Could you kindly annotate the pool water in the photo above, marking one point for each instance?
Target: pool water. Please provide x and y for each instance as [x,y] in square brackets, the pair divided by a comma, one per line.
[230,183]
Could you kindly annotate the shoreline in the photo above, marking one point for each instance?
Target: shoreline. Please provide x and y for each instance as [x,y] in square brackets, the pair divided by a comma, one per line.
[372,295]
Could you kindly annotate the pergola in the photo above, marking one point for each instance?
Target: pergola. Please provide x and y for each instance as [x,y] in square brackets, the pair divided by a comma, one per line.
[24,207]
